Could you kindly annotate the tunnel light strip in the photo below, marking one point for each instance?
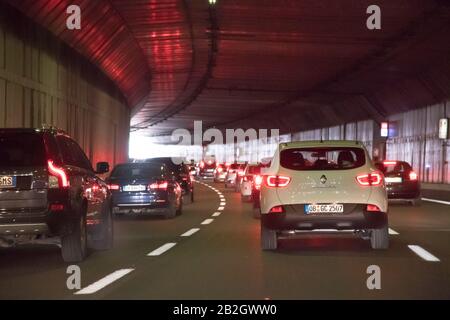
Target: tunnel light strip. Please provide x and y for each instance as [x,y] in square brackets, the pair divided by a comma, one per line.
[100,284]
[162,249]
[436,201]
[424,254]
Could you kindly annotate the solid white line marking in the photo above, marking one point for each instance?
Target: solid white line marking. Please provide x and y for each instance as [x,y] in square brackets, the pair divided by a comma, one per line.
[100,284]
[393,232]
[222,203]
[161,249]
[216,214]
[437,201]
[190,232]
[207,221]
[424,254]
[220,208]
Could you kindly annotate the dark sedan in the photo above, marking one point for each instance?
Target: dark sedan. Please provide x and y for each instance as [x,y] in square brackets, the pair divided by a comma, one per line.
[144,188]
[402,183]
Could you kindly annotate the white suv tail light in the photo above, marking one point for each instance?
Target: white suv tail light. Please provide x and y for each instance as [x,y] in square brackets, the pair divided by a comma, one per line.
[277,181]
[370,179]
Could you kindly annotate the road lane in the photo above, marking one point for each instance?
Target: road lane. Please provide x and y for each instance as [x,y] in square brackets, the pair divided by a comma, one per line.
[38,272]
[223,259]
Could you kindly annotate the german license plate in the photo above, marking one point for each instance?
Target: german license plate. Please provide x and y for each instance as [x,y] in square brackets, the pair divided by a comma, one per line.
[324,208]
[393,179]
[7,182]
[136,187]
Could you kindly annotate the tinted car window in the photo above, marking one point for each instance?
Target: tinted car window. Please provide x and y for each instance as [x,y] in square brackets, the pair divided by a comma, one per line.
[254,169]
[398,167]
[21,150]
[137,170]
[332,158]
[79,156]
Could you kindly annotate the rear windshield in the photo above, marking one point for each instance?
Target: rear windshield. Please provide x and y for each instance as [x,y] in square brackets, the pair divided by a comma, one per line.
[21,150]
[254,169]
[397,167]
[323,158]
[137,170]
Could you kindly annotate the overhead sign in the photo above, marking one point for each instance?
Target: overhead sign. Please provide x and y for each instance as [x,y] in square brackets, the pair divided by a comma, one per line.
[443,128]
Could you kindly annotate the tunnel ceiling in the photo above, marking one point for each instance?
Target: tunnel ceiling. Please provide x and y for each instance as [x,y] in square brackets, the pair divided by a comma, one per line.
[293,65]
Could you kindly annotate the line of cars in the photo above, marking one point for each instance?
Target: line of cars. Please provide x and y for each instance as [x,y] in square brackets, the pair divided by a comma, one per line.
[322,185]
[50,191]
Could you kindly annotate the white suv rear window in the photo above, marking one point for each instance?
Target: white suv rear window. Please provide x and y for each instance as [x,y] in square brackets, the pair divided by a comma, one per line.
[322,158]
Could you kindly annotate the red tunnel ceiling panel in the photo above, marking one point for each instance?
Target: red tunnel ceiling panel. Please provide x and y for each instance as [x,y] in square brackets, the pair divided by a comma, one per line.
[293,64]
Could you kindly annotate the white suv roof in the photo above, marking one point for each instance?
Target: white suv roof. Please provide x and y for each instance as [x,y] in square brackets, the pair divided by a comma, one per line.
[325,143]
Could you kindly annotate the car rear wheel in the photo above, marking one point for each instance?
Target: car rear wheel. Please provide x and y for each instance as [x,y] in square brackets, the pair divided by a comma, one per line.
[105,238]
[179,211]
[379,238]
[269,239]
[171,212]
[74,244]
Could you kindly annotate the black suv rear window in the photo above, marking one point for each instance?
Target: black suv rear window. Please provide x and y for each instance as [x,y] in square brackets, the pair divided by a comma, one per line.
[21,149]
[137,170]
[322,158]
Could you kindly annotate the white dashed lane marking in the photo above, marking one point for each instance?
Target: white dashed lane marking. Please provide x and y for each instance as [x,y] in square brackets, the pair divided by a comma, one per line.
[100,284]
[393,232]
[220,208]
[424,254]
[161,249]
[436,201]
[207,221]
[190,232]
[216,214]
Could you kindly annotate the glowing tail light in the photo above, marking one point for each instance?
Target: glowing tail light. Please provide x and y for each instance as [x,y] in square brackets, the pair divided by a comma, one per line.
[277,209]
[241,173]
[277,181]
[58,177]
[162,185]
[113,186]
[413,176]
[372,208]
[219,169]
[370,179]
[390,163]
[202,164]
[258,181]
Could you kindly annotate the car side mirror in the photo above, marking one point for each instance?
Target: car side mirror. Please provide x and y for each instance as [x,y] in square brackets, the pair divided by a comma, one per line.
[102,167]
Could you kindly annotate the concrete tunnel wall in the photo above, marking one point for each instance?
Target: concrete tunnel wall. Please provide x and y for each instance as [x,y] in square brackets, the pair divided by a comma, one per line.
[43,81]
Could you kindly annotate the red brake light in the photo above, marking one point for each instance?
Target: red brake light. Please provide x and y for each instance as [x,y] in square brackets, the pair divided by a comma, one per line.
[241,173]
[56,207]
[113,186]
[258,180]
[162,185]
[219,169]
[277,209]
[413,176]
[371,179]
[58,172]
[277,181]
[202,164]
[373,208]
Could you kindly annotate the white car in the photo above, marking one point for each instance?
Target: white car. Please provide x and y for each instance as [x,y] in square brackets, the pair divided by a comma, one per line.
[323,185]
[251,175]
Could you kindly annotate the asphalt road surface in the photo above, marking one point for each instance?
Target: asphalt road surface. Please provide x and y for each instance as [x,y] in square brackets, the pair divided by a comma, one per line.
[223,259]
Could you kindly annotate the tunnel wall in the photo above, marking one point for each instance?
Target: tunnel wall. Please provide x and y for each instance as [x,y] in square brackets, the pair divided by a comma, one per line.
[43,81]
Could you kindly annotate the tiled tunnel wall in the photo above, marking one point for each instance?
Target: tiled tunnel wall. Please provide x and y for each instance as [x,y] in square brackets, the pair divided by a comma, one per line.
[42,81]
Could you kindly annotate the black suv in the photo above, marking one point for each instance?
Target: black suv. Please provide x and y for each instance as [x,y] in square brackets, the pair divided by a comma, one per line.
[180,172]
[49,189]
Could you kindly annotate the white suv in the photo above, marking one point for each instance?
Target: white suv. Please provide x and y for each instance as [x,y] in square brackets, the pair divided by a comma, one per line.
[323,185]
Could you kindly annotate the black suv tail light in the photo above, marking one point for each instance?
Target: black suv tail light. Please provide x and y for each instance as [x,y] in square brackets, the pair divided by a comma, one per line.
[57,176]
